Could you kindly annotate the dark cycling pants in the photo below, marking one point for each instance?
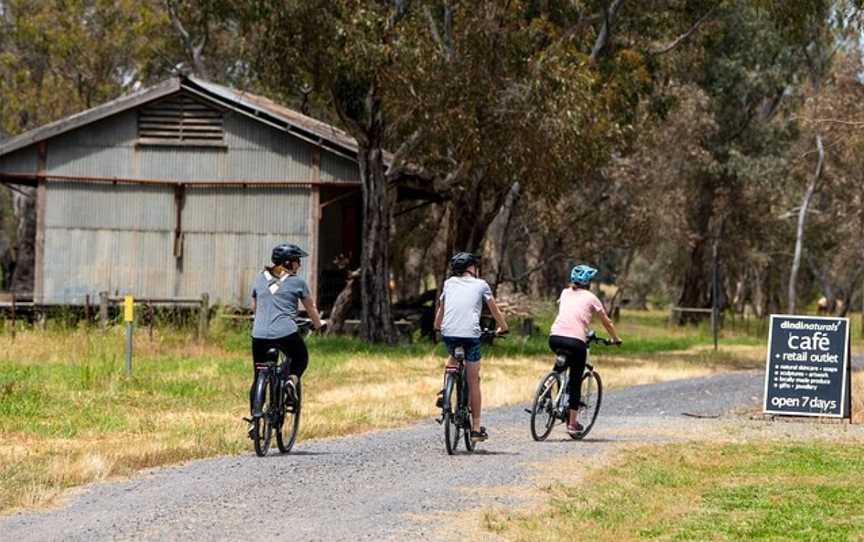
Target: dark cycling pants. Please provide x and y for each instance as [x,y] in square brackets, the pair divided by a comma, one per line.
[576,352]
[292,346]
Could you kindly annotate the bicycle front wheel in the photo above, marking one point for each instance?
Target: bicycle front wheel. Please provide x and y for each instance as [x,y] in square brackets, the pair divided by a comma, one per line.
[543,410]
[263,405]
[592,395]
[452,428]
[286,432]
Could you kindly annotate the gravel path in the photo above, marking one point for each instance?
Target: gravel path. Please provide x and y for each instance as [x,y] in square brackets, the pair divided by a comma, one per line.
[368,487]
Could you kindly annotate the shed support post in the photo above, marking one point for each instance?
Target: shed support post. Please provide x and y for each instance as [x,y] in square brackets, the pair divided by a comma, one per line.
[39,241]
[314,223]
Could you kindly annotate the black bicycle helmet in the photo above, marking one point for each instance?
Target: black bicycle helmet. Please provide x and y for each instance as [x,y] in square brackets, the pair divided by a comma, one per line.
[462,261]
[286,251]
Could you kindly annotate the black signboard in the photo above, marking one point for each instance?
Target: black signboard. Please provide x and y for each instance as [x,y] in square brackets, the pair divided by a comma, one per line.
[806,373]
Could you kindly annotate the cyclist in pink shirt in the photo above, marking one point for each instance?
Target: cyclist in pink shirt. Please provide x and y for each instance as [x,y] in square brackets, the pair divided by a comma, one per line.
[569,333]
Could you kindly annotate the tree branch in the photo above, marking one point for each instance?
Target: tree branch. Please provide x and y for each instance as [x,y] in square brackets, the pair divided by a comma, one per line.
[353,127]
[400,157]
[683,37]
[526,274]
[609,14]
[445,39]
[195,50]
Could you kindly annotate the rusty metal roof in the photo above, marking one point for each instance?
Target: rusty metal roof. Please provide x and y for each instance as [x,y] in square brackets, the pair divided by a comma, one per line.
[252,105]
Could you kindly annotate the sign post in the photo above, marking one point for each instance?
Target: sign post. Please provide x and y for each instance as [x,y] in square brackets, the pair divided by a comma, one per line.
[128,317]
[807,368]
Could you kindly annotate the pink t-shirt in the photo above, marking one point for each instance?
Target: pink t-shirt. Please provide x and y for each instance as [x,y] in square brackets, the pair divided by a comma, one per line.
[575,309]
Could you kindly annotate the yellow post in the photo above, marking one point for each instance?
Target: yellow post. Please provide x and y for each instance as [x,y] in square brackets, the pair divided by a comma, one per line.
[128,317]
[128,309]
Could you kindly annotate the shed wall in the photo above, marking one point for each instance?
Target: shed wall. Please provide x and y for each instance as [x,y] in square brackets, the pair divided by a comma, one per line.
[120,238]
[252,151]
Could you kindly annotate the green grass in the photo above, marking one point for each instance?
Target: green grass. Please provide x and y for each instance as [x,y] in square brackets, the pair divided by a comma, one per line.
[706,491]
[644,332]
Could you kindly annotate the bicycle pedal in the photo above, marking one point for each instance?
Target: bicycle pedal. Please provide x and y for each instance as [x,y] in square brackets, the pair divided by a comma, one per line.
[440,420]
[528,410]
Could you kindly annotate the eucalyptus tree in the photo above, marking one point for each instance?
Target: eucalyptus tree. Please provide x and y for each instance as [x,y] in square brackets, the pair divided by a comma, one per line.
[345,53]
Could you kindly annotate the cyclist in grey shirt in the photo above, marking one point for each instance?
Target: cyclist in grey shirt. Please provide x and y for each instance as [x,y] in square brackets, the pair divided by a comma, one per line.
[458,319]
[276,295]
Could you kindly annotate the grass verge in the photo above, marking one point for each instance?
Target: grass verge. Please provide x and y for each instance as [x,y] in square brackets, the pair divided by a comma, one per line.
[69,415]
[706,491]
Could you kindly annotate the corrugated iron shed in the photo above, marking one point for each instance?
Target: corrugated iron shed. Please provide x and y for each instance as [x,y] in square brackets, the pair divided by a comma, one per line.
[174,191]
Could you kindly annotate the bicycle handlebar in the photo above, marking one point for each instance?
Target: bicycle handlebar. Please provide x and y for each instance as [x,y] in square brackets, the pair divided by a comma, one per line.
[593,338]
[485,333]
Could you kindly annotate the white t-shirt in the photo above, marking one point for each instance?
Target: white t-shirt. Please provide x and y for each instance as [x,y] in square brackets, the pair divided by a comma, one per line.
[463,299]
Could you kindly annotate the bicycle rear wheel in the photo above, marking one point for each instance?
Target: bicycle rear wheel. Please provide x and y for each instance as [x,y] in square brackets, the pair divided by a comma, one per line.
[466,416]
[290,421]
[543,410]
[592,395]
[262,428]
[452,428]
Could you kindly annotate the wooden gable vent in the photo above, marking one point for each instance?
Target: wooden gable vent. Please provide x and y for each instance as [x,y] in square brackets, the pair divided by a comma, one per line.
[180,119]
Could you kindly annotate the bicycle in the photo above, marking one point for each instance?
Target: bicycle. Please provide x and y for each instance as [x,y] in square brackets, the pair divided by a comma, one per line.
[551,401]
[275,403]
[456,416]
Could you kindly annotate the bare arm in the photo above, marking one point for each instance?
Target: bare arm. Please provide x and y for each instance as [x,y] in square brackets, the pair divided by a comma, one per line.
[254,304]
[497,315]
[312,311]
[610,327]
[439,316]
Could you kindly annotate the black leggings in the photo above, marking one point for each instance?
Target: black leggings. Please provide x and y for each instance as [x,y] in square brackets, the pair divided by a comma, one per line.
[292,346]
[576,352]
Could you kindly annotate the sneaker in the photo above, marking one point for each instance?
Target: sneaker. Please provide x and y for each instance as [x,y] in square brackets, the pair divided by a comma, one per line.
[291,388]
[479,436]
[575,429]
[439,401]
[250,432]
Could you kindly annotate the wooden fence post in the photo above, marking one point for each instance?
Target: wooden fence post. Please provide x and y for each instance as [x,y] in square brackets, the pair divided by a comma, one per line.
[204,316]
[103,310]
[13,316]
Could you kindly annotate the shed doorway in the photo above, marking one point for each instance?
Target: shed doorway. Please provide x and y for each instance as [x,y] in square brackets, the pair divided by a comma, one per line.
[339,240]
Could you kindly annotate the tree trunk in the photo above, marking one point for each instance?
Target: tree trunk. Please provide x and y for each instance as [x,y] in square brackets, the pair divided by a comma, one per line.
[374,263]
[613,308]
[472,212]
[25,252]
[499,229]
[696,290]
[802,219]
[343,305]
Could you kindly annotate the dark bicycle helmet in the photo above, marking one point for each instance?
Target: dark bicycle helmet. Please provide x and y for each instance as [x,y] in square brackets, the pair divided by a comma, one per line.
[286,251]
[462,261]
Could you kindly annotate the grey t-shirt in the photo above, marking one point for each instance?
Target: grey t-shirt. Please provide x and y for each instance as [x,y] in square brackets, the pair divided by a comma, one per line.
[463,302]
[276,304]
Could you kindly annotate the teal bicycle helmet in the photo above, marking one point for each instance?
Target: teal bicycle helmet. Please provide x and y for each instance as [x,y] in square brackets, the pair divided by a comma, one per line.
[582,274]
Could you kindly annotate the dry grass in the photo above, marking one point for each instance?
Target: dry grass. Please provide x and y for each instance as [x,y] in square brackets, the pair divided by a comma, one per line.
[858,397]
[69,415]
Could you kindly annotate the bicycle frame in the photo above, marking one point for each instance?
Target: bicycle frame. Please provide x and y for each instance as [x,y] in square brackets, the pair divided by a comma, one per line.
[560,411]
[460,381]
